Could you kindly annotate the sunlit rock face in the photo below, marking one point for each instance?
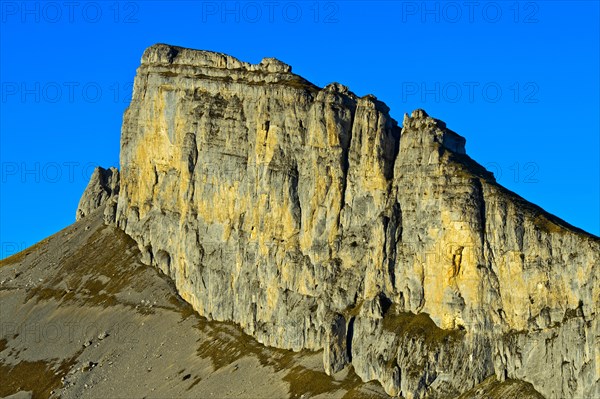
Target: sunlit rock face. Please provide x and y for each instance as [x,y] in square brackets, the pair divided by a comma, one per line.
[311,219]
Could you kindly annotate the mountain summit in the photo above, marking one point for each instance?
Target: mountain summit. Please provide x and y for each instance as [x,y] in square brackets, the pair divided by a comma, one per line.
[311,219]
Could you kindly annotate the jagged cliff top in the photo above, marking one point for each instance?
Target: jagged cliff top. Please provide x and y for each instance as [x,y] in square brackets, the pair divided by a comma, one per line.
[223,66]
[166,54]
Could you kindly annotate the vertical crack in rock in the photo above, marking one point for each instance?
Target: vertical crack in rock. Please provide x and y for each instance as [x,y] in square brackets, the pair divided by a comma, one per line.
[349,338]
[480,198]
[346,144]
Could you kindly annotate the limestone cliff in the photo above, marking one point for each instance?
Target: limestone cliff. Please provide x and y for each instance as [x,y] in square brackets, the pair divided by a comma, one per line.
[310,218]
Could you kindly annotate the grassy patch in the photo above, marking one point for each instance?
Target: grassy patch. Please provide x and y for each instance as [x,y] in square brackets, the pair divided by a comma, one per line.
[410,324]
[547,226]
[306,381]
[41,377]
[20,256]
[353,311]
[362,391]
[96,272]
[227,344]
[492,388]
[185,309]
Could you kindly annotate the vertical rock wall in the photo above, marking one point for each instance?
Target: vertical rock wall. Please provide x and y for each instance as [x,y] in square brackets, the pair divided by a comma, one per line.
[309,218]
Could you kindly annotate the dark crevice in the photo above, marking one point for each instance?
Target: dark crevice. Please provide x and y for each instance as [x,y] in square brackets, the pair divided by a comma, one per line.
[396,130]
[481,204]
[385,303]
[386,222]
[191,149]
[346,144]
[172,54]
[149,254]
[295,198]
[393,232]
[349,337]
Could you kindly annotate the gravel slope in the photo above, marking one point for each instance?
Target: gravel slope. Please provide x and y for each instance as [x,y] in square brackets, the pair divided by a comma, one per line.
[82,317]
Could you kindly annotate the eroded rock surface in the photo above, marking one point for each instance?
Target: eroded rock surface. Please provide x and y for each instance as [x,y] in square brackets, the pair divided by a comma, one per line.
[101,191]
[311,219]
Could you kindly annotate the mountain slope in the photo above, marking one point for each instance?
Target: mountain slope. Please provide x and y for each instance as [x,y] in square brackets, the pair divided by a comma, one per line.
[79,307]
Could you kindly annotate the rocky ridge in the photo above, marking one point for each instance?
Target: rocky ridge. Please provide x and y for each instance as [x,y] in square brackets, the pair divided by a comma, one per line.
[311,219]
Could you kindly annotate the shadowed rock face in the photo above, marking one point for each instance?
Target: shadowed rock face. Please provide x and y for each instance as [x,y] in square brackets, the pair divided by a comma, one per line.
[311,219]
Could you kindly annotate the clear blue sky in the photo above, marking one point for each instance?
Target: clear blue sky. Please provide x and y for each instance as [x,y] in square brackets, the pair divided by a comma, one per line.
[520,80]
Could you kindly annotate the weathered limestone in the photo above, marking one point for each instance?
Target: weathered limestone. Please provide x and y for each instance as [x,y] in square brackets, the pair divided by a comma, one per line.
[308,217]
[101,191]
